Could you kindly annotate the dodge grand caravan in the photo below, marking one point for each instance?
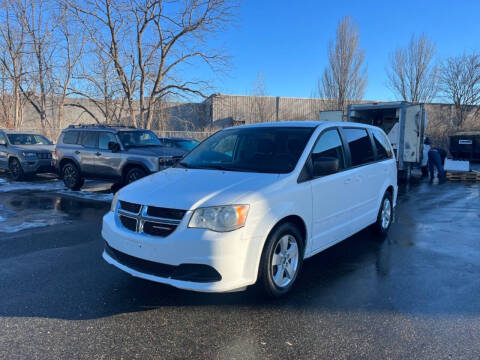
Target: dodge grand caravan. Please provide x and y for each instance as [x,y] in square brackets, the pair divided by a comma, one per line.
[250,203]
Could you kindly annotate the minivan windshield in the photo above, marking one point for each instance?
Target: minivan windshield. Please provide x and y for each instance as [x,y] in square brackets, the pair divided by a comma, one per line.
[28,139]
[138,138]
[251,149]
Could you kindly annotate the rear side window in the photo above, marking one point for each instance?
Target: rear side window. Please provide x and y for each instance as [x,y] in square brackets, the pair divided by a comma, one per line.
[382,144]
[166,143]
[330,145]
[361,150]
[89,139]
[104,138]
[70,137]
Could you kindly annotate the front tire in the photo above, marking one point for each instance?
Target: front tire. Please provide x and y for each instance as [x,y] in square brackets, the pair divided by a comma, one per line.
[16,170]
[282,260]
[71,177]
[385,215]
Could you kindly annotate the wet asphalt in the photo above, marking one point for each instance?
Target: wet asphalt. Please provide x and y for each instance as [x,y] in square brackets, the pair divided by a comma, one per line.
[413,295]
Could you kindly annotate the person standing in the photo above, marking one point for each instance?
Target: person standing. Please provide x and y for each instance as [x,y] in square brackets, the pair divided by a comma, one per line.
[426,149]
[436,158]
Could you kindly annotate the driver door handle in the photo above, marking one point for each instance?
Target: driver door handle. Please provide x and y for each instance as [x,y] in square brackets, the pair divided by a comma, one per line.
[348,181]
[98,154]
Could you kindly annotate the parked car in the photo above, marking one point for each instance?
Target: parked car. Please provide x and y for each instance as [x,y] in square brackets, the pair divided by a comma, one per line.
[250,203]
[118,154]
[179,143]
[25,153]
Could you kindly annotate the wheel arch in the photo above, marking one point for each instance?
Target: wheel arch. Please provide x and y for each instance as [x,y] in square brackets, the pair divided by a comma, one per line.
[133,164]
[12,157]
[390,190]
[293,219]
[66,160]
[298,222]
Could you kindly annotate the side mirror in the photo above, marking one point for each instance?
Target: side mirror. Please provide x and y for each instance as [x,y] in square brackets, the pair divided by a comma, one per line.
[325,166]
[114,146]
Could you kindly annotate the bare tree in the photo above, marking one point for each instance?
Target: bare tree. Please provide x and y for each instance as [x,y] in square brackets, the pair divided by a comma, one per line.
[264,106]
[12,40]
[412,74]
[38,20]
[151,42]
[5,99]
[68,55]
[345,78]
[460,84]
[101,88]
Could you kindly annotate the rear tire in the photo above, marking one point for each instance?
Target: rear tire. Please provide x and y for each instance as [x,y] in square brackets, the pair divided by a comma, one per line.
[385,215]
[71,177]
[16,170]
[281,261]
[134,174]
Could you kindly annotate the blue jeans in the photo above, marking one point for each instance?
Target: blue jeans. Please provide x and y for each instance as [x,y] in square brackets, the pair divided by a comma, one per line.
[435,160]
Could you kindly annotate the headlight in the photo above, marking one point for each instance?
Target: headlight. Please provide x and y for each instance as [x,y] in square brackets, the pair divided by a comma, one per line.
[165,161]
[29,154]
[114,202]
[219,218]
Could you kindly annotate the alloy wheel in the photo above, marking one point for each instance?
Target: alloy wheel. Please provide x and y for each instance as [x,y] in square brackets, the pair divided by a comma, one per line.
[285,260]
[15,168]
[386,214]
[69,175]
[134,176]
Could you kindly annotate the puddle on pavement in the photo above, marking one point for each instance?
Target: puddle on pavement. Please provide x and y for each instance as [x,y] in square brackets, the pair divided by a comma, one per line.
[20,211]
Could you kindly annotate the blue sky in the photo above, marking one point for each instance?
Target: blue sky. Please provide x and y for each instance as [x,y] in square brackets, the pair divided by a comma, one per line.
[287,40]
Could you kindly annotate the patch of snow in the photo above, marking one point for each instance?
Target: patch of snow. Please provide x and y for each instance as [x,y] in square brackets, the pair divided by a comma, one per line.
[14,224]
[88,195]
[456,165]
[23,226]
[52,185]
[17,219]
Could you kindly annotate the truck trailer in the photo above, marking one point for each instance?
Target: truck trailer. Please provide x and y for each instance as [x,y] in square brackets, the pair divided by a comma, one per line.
[404,124]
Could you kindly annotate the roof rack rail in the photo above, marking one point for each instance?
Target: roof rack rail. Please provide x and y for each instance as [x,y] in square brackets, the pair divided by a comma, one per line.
[102,126]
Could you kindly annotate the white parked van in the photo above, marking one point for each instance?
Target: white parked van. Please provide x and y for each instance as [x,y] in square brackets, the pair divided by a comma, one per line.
[250,203]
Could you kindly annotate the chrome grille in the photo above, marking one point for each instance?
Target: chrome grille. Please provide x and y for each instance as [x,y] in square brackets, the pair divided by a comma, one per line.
[165,213]
[131,207]
[44,155]
[149,220]
[128,222]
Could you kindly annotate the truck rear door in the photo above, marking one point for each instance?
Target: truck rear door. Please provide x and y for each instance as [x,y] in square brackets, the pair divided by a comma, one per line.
[415,119]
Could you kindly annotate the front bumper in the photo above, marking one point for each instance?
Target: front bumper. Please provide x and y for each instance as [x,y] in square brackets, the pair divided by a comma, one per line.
[230,255]
[36,166]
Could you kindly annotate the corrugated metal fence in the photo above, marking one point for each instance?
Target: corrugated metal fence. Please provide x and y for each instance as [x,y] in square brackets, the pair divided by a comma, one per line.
[53,134]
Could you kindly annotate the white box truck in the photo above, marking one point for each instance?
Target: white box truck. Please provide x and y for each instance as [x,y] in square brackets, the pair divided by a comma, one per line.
[404,124]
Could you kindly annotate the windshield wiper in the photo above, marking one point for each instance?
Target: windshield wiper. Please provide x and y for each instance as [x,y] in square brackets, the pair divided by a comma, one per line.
[184,164]
[218,167]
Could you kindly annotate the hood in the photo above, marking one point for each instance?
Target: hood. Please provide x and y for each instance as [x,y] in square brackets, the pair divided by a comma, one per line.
[156,151]
[188,189]
[35,148]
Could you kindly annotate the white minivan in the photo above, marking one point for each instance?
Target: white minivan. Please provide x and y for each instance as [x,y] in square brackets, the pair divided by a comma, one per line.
[250,203]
